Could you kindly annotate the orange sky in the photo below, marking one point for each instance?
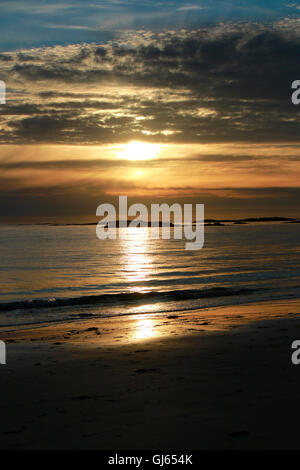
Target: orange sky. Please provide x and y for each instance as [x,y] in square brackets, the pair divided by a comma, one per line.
[198,115]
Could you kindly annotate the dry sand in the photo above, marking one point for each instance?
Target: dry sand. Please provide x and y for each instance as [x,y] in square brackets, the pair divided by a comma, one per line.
[214,379]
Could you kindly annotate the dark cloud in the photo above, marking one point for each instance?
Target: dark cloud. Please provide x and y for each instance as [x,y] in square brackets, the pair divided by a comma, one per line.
[88,164]
[231,84]
[24,57]
[68,201]
[61,129]
[5,58]
[70,164]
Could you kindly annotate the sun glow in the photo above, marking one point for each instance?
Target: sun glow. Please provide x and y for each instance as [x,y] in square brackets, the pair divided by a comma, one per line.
[144,329]
[135,150]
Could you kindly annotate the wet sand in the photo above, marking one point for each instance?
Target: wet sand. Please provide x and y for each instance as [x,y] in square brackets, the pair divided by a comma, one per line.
[210,379]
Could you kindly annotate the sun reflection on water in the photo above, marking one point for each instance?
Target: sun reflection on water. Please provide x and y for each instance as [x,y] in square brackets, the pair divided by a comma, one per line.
[144,329]
[137,268]
[137,260]
[146,308]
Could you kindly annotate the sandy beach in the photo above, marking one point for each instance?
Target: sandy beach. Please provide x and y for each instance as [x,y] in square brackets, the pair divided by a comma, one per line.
[210,379]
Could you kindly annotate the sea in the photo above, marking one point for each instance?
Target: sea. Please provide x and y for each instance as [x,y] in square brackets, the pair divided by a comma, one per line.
[57,273]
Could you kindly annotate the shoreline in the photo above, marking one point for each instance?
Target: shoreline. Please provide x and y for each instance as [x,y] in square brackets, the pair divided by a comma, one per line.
[219,380]
[187,322]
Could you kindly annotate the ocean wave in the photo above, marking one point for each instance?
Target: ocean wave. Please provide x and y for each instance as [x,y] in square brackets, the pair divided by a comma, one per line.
[126,297]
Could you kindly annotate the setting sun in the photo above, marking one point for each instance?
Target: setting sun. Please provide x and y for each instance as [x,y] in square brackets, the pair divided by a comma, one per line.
[139,151]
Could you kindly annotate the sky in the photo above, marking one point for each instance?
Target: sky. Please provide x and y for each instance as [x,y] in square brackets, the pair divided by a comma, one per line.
[168,101]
